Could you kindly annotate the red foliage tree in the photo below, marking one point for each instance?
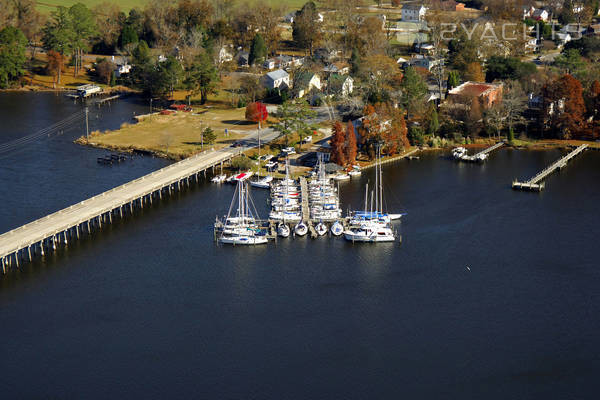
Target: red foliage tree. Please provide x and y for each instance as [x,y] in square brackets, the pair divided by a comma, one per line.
[56,64]
[256,112]
[351,149]
[564,106]
[338,143]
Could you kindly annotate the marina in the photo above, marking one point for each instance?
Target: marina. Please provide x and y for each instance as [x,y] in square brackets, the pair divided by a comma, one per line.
[537,183]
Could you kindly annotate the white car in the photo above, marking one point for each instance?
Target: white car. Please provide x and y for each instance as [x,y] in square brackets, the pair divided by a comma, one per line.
[307,139]
[289,150]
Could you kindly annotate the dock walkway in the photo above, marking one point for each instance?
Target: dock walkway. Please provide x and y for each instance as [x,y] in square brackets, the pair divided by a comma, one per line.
[477,156]
[45,233]
[536,183]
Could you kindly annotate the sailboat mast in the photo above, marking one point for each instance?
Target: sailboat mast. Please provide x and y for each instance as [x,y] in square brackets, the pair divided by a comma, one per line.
[366,196]
[380,184]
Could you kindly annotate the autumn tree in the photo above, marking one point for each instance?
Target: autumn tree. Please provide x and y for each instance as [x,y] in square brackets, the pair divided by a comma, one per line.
[564,107]
[474,72]
[202,77]
[351,148]
[251,87]
[256,112]
[56,64]
[105,69]
[338,144]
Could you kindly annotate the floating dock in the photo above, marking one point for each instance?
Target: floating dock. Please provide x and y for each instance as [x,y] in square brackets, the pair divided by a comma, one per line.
[536,183]
[48,233]
[478,156]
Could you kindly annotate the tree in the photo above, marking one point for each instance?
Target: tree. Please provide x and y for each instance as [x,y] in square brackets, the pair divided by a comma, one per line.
[463,50]
[83,26]
[493,119]
[58,33]
[474,72]
[12,55]
[414,91]
[202,77]
[434,124]
[351,148]
[338,144]
[498,67]
[256,112]
[453,79]
[251,87]
[380,75]
[304,32]
[293,117]
[208,135]
[258,50]
[569,61]
[564,107]
[56,63]
[105,70]
[514,101]
[128,38]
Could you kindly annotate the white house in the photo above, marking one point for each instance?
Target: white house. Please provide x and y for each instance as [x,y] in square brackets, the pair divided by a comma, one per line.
[423,62]
[269,64]
[540,15]
[305,82]
[562,38]
[122,69]
[341,85]
[225,55]
[528,11]
[412,12]
[277,79]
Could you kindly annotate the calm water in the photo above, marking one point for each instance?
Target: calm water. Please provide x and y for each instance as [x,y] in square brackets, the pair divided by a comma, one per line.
[151,308]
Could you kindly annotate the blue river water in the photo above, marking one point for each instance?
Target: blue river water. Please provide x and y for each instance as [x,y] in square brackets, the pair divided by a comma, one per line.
[151,308]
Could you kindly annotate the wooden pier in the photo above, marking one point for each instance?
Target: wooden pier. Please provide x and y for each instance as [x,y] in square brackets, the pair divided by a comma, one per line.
[477,157]
[536,183]
[48,233]
[306,209]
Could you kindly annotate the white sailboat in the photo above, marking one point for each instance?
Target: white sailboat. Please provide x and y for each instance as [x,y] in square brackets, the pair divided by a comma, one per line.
[371,226]
[262,183]
[240,228]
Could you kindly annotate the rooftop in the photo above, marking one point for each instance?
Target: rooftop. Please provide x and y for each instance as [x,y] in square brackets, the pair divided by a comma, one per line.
[474,89]
[278,74]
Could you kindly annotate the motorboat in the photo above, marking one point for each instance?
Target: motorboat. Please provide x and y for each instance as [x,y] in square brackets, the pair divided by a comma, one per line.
[286,216]
[337,228]
[459,153]
[355,171]
[341,177]
[321,229]
[301,229]
[370,232]
[263,183]
[283,230]
[243,176]
[219,179]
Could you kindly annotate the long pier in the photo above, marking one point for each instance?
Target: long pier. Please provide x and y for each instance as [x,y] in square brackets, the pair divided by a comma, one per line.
[479,156]
[48,233]
[536,183]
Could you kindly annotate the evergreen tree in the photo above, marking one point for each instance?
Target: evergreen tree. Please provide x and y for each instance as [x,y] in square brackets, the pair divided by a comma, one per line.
[414,90]
[258,50]
[453,79]
[202,77]
[12,55]
[434,124]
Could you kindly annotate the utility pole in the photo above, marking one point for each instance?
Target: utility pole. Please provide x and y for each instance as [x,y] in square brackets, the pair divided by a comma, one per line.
[87,126]
[150,105]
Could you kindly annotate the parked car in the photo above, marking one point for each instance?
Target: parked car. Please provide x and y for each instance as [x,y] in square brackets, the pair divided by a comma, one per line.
[288,150]
[307,139]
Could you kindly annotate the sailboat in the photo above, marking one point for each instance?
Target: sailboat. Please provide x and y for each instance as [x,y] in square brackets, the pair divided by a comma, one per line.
[371,226]
[242,226]
[262,183]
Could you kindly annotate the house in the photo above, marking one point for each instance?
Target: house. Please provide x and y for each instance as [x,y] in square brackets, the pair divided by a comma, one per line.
[527,11]
[304,82]
[535,101]
[424,47]
[413,12]
[340,85]
[122,69]
[284,61]
[225,55]
[269,64]
[487,93]
[401,61]
[336,68]
[326,55]
[574,30]
[278,79]
[289,18]
[448,5]
[424,62]
[242,58]
[540,15]
[531,45]
[562,38]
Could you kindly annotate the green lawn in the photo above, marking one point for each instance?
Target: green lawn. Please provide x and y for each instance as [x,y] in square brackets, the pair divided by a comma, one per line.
[50,5]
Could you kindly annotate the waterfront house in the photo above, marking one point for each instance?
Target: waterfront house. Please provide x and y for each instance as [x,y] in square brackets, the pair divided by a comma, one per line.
[278,79]
[540,15]
[488,94]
